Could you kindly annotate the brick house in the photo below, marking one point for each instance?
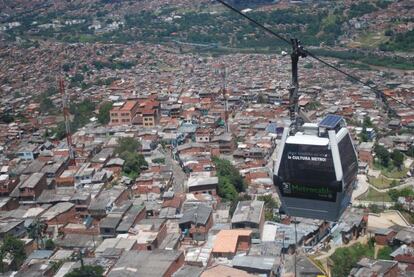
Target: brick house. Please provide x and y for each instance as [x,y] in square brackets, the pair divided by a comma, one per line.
[59,214]
[249,215]
[30,189]
[384,236]
[101,205]
[196,222]
[203,135]
[225,142]
[368,267]
[191,148]
[229,242]
[7,184]
[67,178]
[8,204]
[142,263]
[203,184]
[365,152]
[148,233]
[149,118]
[123,113]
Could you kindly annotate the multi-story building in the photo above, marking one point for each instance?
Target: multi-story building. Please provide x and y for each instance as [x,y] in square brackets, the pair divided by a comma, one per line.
[123,113]
[249,215]
[30,189]
[149,117]
[7,184]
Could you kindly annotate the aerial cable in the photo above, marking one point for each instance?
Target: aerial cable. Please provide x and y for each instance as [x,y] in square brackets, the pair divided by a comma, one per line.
[254,22]
[380,94]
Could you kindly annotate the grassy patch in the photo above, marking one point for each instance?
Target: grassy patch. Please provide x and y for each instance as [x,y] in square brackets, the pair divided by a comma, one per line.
[391,171]
[373,195]
[356,65]
[380,182]
[371,40]
[371,59]
[395,173]
[384,253]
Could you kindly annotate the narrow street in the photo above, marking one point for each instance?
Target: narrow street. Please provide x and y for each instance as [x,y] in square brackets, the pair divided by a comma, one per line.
[180,178]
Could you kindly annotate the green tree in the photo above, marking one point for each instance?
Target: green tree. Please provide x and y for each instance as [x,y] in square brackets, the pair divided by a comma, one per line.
[410,151]
[17,94]
[397,158]
[67,66]
[374,208]
[49,244]
[104,110]
[14,249]
[382,154]
[56,265]
[226,189]
[77,78]
[344,259]
[270,205]
[367,123]
[82,112]
[36,231]
[46,104]
[384,253]
[7,118]
[405,192]
[261,99]
[127,144]
[159,161]
[134,164]
[225,169]
[87,271]
[59,131]
[363,136]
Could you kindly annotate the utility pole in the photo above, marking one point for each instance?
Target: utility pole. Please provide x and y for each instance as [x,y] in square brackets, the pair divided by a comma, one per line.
[296,251]
[297,52]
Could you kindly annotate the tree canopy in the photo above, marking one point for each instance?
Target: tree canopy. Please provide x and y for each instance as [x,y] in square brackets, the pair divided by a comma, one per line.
[363,136]
[230,180]
[13,248]
[225,169]
[405,192]
[397,158]
[134,162]
[344,259]
[103,116]
[127,145]
[410,151]
[270,205]
[382,154]
[86,271]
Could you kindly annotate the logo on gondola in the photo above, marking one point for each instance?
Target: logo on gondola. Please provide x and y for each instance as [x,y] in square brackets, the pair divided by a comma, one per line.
[313,157]
[286,188]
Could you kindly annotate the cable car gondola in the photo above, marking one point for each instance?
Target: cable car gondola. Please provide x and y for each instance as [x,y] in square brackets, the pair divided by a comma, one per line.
[316,169]
[316,166]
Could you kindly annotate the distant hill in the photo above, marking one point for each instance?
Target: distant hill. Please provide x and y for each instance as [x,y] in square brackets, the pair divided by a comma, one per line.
[248,3]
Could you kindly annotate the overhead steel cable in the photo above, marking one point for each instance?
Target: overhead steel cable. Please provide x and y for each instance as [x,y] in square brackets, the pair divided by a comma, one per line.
[379,93]
[254,21]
